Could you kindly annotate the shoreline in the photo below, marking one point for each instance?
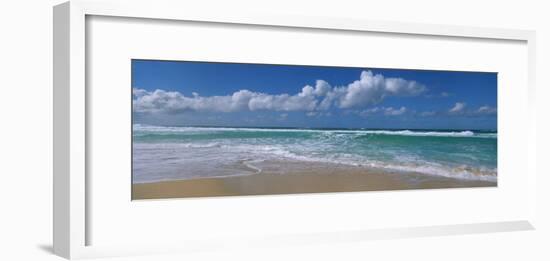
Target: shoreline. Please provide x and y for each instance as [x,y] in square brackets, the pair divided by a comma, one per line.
[299,179]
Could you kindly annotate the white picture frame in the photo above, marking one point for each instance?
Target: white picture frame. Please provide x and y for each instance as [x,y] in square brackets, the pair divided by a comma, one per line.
[71,198]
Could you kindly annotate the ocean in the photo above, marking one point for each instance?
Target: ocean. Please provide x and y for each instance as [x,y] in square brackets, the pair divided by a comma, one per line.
[162,153]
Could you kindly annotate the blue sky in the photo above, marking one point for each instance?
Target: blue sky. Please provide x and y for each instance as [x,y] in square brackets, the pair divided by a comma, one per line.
[230,94]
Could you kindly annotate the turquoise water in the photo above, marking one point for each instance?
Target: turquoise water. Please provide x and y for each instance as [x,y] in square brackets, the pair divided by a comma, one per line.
[167,153]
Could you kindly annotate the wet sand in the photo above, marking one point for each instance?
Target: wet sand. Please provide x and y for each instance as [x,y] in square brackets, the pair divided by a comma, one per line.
[296,177]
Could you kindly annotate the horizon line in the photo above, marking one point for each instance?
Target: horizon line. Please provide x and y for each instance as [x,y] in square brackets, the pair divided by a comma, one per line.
[314,128]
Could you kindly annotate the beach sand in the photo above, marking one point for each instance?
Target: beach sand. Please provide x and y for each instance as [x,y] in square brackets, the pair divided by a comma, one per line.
[298,177]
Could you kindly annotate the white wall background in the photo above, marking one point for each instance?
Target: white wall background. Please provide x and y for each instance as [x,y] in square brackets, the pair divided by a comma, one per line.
[26,144]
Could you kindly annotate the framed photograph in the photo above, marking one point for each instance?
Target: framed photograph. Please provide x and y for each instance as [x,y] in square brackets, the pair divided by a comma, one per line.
[233,129]
[206,131]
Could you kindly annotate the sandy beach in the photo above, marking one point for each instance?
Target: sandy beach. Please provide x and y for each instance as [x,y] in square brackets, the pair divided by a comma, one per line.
[297,177]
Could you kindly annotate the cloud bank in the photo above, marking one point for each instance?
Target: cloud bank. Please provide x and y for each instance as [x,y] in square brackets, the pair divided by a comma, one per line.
[370,89]
[387,111]
[486,110]
[460,108]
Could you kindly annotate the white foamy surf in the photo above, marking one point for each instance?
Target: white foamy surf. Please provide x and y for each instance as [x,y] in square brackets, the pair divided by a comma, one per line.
[170,153]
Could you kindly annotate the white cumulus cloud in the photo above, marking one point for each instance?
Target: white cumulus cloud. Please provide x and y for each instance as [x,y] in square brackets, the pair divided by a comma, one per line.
[373,88]
[458,108]
[486,110]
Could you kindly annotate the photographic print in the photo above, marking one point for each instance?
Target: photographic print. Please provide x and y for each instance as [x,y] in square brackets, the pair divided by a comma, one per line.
[204,129]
